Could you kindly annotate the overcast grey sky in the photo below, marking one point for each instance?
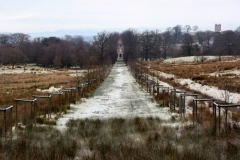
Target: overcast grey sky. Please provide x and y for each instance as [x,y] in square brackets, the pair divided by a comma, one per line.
[28,16]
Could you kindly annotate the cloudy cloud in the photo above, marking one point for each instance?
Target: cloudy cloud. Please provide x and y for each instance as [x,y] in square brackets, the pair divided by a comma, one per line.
[45,15]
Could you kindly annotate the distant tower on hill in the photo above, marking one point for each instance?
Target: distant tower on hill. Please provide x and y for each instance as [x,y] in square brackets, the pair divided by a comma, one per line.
[217,27]
[120,49]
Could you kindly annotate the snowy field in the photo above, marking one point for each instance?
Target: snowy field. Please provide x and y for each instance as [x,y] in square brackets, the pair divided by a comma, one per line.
[211,91]
[187,59]
[28,69]
[194,59]
[37,70]
[118,96]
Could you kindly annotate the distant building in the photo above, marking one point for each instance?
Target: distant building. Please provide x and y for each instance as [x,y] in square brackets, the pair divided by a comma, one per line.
[217,27]
[120,49]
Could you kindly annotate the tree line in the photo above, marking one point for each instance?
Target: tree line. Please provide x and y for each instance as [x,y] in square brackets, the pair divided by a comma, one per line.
[70,51]
[179,41]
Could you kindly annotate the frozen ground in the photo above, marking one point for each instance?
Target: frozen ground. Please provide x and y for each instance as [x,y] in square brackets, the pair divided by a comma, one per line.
[28,69]
[211,91]
[37,70]
[118,96]
[187,59]
[195,58]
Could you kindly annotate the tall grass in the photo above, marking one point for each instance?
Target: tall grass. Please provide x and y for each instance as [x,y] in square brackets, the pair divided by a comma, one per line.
[118,138]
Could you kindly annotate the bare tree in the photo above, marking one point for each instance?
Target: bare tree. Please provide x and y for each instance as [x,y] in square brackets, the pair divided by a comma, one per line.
[19,39]
[4,38]
[199,36]
[112,46]
[57,61]
[100,44]
[226,42]
[169,29]
[150,44]
[13,55]
[79,56]
[187,28]
[195,28]
[177,32]
[36,49]
[208,36]
[131,44]
[237,32]
[167,39]
[187,44]
[228,88]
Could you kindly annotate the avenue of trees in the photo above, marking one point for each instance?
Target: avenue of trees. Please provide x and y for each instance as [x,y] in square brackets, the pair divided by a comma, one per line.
[70,51]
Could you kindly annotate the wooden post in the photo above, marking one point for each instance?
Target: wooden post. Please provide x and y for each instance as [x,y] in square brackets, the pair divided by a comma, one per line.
[5,123]
[215,118]
[49,107]
[11,124]
[16,115]
[219,118]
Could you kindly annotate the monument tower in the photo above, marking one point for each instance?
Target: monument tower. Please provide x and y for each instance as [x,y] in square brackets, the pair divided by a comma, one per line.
[120,49]
[217,27]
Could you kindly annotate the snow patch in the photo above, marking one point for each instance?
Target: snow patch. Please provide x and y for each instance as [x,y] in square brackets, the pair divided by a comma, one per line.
[51,89]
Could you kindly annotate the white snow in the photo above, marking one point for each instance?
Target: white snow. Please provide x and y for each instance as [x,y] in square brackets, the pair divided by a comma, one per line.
[188,59]
[51,89]
[211,91]
[28,69]
[233,72]
[196,58]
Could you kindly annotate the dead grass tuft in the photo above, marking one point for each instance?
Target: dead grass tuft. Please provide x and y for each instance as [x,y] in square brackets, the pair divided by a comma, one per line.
[98,139]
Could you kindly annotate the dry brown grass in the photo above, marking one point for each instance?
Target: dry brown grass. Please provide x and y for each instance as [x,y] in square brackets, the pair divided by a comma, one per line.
[117,138]
[199,72]
[25,85]
[194,68]
[28,81]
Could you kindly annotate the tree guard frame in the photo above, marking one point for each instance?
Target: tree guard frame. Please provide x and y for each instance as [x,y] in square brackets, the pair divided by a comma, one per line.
[150,83]
[79,91]
[33,107]
[49,102]
[172,99]
[59,97]
[195,106]
[156,85]
[68,95]
[163,91]
[219,112]
[183,96]
[4,109]
[71,91]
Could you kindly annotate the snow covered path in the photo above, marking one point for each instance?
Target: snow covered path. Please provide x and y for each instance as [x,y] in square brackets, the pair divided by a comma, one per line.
[118,96]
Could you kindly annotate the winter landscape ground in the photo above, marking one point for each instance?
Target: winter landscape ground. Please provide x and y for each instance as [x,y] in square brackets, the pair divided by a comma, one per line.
[119,96]
[120,120]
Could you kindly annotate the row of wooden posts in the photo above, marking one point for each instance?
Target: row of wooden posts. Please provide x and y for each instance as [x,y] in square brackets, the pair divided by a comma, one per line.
[169,97]
[73,92]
